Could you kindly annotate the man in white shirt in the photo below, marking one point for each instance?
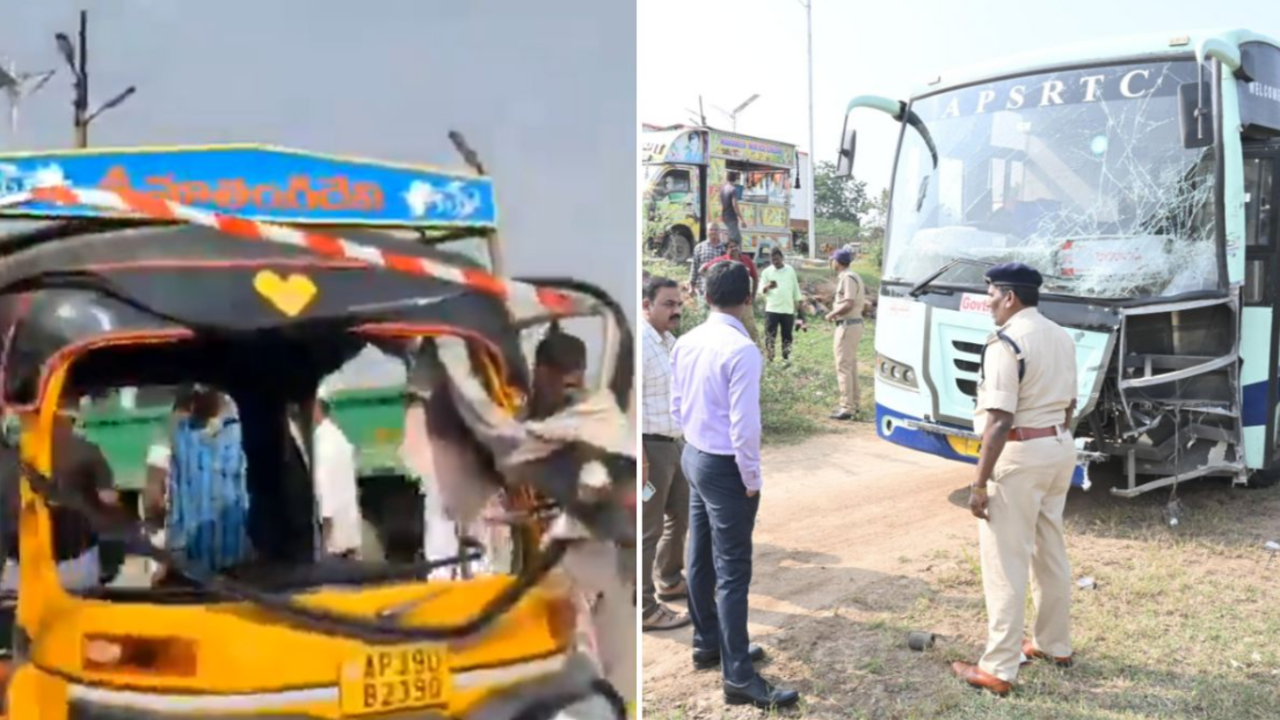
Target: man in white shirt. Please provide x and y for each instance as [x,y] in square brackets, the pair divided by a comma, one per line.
[334,476]
[666,492]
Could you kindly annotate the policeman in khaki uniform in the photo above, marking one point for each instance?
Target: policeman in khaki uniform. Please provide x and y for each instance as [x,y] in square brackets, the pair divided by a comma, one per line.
[1026,399]
[846,313]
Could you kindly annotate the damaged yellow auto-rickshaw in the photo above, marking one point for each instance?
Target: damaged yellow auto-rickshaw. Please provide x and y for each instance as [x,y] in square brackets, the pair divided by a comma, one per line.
[121,287]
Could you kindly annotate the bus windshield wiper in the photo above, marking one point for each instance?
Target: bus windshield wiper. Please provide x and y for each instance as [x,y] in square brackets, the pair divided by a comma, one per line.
[912,119]
[919,288]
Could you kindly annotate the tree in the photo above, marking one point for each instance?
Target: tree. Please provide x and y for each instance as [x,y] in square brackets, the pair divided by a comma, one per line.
[877,219]
[877,216]
[837,198]
[842,230]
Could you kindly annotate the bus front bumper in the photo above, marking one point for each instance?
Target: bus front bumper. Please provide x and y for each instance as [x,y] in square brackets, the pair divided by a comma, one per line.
[953,443]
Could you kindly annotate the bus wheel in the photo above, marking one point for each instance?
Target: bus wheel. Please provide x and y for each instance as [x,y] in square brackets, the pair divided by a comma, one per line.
[678,247]
[1259,479]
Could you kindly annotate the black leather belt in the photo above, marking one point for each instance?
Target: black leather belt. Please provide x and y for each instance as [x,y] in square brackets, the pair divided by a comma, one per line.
[854,321]
[658,438]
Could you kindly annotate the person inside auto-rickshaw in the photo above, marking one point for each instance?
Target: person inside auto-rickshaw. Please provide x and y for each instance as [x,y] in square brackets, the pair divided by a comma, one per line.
[208,500]
[559,373]
[155,505]
[459,477]
[334,476]
[79,468]
[469,473]
[451,459]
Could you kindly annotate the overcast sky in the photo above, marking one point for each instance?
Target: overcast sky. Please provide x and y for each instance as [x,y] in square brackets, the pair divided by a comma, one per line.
[727,50]
[544,91]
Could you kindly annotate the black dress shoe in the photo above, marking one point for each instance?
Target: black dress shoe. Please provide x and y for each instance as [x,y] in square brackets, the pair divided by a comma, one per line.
[707,659]
[842,415]
[761,693]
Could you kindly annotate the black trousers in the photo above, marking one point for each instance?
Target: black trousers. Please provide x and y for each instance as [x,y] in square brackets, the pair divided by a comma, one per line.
[773,321]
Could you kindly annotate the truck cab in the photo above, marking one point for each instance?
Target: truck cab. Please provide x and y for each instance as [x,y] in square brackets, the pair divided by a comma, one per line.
[684,171]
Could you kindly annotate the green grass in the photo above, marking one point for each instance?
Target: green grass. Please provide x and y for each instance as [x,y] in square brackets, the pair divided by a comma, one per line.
[1176,629]
[796,398]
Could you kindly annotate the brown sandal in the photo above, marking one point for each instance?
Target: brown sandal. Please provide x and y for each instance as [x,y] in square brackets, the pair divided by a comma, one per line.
[675,592]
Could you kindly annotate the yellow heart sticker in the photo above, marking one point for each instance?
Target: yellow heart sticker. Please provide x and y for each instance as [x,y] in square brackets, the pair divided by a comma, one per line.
[289,295]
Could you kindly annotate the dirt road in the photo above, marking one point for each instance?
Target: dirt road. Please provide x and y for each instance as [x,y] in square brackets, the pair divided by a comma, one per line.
[836,515]
[859,542]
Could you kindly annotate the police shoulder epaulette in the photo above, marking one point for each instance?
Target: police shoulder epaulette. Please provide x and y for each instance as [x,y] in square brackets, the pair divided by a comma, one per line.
[1000,336]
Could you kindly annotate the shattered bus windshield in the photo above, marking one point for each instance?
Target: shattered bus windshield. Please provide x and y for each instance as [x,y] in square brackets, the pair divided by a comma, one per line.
[1079,173]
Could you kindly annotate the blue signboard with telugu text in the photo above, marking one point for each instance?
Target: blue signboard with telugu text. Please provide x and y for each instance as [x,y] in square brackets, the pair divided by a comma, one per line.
[260,183]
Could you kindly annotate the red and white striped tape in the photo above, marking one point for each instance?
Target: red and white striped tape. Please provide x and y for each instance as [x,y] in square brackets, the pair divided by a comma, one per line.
[523,299]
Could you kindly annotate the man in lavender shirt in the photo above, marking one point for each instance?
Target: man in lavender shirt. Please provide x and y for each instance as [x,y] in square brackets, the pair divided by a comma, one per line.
[715,398]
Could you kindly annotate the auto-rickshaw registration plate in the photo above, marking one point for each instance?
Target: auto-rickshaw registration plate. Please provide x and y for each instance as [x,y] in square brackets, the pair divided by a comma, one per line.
[398,678]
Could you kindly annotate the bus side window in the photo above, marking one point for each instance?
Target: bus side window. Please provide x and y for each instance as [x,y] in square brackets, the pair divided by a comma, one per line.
[1258,173]
[1259,234]
[1255,282]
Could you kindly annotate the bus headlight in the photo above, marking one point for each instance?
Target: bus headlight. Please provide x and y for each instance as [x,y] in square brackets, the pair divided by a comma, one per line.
[896,373]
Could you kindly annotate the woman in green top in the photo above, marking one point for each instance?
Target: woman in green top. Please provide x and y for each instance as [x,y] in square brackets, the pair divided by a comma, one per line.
[781,289]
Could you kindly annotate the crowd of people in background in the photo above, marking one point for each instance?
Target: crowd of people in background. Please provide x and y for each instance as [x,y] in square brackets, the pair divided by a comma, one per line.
[778,287]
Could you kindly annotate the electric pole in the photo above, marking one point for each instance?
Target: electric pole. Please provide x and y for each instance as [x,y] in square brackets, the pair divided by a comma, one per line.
[813,153]
[78,62]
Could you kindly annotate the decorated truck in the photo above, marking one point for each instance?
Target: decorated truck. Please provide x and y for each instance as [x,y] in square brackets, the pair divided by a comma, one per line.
[685,167]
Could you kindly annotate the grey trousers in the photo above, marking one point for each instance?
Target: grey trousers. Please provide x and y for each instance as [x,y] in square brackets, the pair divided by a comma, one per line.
[735,230]
[665,523]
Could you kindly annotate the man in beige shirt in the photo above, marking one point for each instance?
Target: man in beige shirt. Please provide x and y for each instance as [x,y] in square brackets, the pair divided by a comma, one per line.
[1026,403]
[846,313]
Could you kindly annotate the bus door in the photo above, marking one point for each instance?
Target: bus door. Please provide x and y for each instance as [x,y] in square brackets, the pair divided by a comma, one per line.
[1261,293]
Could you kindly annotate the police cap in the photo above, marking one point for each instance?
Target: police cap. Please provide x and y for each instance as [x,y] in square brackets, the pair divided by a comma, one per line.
[1014,273]
[843,256]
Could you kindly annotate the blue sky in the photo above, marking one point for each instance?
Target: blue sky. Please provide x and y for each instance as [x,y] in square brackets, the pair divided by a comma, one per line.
[729,49]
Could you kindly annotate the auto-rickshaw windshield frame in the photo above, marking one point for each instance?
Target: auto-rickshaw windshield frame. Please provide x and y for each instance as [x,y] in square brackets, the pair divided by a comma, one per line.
[36,532]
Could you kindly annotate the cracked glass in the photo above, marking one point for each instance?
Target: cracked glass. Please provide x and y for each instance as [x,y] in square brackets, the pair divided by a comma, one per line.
[1078,173]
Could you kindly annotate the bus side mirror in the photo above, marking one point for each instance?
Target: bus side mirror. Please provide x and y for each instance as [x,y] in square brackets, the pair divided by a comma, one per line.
[848,143]
[1195,115]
